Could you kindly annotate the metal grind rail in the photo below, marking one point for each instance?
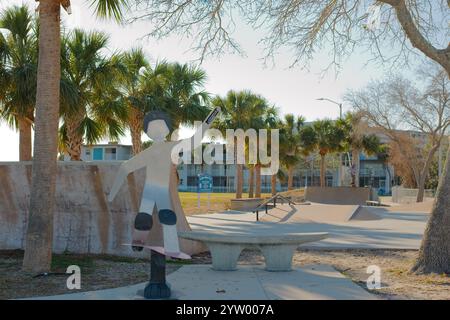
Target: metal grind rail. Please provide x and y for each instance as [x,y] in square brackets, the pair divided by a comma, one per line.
[271,199]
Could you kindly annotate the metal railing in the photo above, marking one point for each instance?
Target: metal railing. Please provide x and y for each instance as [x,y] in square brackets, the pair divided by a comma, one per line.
[265,203]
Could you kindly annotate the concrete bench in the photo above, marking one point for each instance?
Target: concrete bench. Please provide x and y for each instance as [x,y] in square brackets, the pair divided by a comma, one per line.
[373,203]
[277,249]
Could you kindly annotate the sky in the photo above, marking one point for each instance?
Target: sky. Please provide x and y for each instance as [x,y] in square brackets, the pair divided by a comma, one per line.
[292,90]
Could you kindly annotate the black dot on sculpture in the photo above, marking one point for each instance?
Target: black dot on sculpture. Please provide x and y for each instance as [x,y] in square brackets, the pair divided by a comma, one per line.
[167,217]
[143,221]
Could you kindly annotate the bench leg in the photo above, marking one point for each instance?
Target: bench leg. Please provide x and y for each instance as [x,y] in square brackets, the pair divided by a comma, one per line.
[278,257]
[224,256]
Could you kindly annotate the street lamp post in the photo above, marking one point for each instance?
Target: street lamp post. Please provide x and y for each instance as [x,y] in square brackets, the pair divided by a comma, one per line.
[340,154]
[332,101]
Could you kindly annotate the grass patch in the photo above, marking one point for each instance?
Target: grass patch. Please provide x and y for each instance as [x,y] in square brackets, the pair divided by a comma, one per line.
[178,262]
[60,262]
[218,202]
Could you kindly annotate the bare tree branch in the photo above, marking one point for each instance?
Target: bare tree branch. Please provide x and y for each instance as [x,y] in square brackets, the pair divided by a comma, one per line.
[307,27]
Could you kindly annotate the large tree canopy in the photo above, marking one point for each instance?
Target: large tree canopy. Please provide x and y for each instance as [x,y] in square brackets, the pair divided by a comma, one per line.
[388,28]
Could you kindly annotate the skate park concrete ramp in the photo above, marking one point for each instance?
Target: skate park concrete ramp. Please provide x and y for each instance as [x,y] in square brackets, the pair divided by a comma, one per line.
[318,212]
[338,195]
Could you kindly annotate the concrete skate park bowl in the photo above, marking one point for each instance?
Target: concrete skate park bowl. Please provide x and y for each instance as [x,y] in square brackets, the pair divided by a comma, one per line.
[338,195]
[245,204]
[84,221]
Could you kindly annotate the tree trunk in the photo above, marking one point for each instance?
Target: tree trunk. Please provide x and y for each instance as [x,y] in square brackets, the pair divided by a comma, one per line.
[74,135]
[273,184]
[239,172]
[356,168]
[322,170]
[424,173]
[251,181]
[24,139]
[39,237]
[290,177]
[136,120]
[434,254]
[239,180]
[257,181]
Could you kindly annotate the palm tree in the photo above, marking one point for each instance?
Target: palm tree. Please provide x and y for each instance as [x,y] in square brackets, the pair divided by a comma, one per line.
[273,122]
[174,88]
[240,110]
[18,53]
[290,144]
[260,115]
[324,136]
[39,238]
[186,101]
[356,140]
[136,63]
[98,112]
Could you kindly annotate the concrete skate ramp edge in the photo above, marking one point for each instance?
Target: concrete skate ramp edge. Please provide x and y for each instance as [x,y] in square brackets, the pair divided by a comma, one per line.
[322,213]
[337,195]
[364,213]
[337,213]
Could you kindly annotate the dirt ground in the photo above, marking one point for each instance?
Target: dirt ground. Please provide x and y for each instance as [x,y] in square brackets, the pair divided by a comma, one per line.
[102,272]
[97,272]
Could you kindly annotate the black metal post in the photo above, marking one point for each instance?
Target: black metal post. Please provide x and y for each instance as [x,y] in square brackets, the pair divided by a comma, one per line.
[157,287]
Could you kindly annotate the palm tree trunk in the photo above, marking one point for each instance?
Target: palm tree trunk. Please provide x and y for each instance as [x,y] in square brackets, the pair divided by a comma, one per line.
[251,180]
[273,184]
[322,170]
[290,177]
[434,254]
[239,180]
[356,164]
[39,237]
[135,122]
[239,172]
[257,181]
[74,136]
[24,125]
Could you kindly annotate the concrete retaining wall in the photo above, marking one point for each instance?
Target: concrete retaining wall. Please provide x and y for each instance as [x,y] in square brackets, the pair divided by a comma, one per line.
[338,195]
[84,222]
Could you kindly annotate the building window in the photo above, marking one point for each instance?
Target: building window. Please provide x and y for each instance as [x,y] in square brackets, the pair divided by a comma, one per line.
[110,153]
[192,181]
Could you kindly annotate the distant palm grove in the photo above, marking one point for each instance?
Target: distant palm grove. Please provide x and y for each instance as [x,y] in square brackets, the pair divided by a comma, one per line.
[104,94]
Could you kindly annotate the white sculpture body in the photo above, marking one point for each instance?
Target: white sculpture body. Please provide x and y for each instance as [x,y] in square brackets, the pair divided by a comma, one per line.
[160,234]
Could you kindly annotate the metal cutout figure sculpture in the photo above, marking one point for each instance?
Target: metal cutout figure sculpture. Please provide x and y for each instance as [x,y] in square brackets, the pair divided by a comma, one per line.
[155,223]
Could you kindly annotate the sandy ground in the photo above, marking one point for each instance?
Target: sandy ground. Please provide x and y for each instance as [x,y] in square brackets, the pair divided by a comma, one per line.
[102,272]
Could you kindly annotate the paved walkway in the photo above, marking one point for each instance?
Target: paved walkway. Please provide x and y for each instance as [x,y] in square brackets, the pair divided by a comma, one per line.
[200,282]
[395,230]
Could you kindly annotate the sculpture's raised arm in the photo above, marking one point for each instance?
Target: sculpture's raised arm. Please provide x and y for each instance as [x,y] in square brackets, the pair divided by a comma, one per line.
[131,165]
[186,146]
[206,124]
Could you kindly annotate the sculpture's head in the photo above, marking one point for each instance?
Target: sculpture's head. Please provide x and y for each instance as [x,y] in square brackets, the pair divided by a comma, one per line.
[157,125]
